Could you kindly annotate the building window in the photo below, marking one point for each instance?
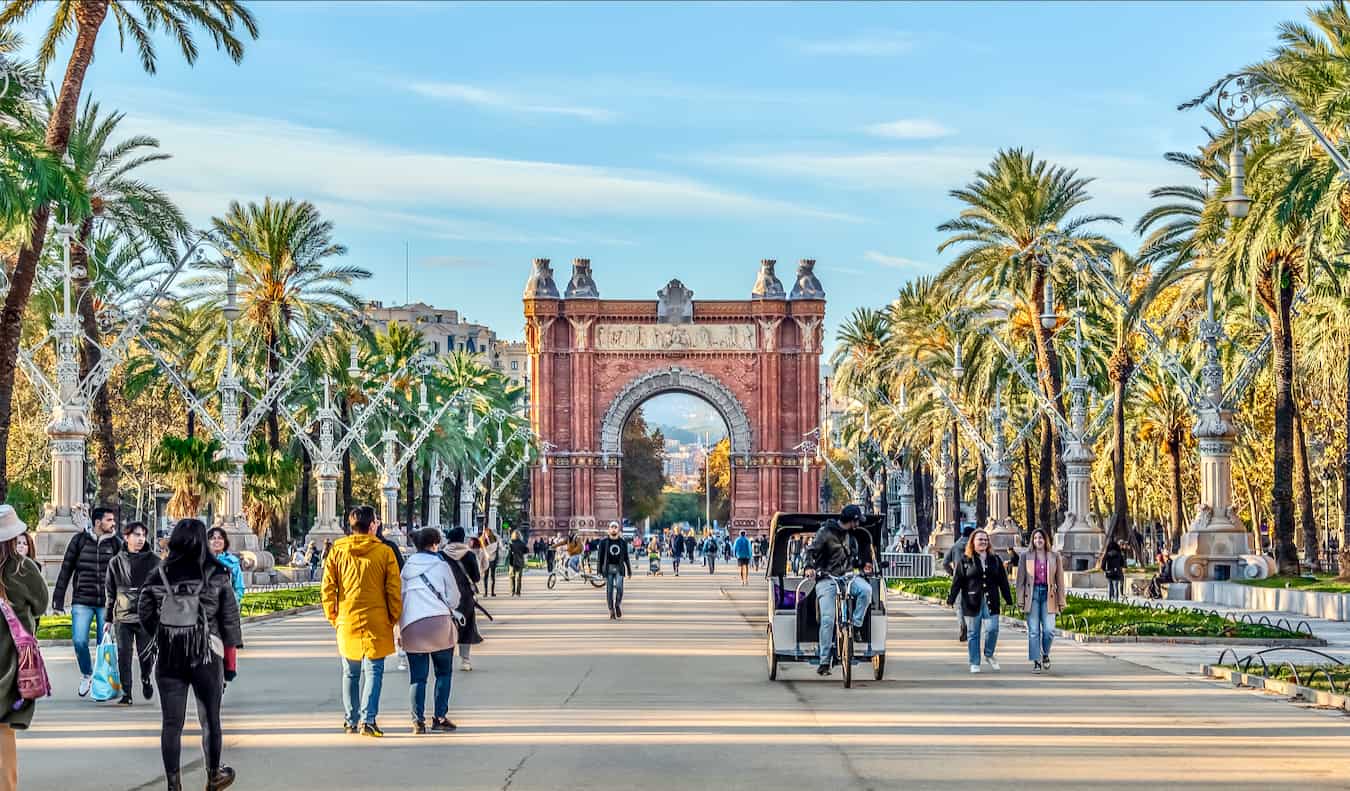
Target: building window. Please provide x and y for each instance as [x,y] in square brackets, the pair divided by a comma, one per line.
[515,365]
[435,347]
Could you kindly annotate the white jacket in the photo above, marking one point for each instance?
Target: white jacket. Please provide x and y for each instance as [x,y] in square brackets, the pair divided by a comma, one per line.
[420,602]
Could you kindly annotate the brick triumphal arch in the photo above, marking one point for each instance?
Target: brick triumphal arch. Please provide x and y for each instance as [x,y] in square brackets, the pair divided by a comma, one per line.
[594,361]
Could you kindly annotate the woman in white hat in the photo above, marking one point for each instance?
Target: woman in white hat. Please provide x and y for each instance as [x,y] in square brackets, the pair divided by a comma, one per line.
[22,585]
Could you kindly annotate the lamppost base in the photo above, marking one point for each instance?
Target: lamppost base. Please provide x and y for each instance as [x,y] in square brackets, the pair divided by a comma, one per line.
[1079,542]
[54,533]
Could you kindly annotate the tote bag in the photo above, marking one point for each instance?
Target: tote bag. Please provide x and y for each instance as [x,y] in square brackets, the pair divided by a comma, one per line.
[107,683]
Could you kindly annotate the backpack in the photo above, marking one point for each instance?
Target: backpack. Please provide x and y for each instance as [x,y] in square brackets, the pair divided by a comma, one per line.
[33,682]
[183,637]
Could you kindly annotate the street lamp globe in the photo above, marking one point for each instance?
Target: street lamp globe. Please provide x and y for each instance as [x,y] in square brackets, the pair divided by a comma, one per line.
[1237,203]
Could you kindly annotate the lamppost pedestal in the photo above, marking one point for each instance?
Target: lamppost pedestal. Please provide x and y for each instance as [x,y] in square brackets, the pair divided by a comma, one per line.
[1080,540]
[1003,532]
[327,526]
[66,514]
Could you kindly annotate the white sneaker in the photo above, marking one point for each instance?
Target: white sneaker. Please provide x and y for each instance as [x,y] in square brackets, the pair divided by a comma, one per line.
[403,662]
[989,660]
[974,668]
[465,665]
[85,683]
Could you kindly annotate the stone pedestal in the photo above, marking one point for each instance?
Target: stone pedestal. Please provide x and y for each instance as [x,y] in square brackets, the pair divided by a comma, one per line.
[466,505]
[909,523]
[328,525]
[434,495]
[944,528]
[1217,546]
[66,514]
[1003,532]
[1080,539]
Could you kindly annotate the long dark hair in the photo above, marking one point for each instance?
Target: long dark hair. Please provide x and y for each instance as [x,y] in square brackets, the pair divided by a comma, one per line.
[188,549]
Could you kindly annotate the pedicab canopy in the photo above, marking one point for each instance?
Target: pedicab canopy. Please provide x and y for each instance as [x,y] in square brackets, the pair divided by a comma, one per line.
[785,527]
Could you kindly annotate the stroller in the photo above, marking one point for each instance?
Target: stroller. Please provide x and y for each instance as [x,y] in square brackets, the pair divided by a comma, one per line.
[654,564]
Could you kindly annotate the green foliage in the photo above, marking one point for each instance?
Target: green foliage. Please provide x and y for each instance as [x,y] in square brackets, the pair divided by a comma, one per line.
[1315,584]
[644,475]
[1106,618]
[192,469]
[717,470]
[270,481]
[57,627]
[677,507]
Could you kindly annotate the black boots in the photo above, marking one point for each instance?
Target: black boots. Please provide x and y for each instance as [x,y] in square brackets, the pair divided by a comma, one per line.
[221,779]
[175,781]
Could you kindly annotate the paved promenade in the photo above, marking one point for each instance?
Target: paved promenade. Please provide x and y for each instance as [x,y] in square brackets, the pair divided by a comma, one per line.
[675,696]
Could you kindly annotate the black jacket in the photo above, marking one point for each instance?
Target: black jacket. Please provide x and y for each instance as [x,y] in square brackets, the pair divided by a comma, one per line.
[86,565]
[398,553]
[1113,563]
[217,601]
[977,583]
[127,574]
[515,554]
[833,550]
[613,552]
[466,574]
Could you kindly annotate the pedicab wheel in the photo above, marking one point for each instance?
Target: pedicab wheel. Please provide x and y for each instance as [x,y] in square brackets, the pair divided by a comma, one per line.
[768,652]
[846,656]
[596,582]
[879,666]
[552,580]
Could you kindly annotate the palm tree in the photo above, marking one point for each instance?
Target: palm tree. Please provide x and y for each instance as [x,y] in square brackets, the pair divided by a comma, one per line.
[270,479]
[135,19]
[1329,313]
[192,469]
[30,175]
[287,287]
[1163,420]
[134,209]
[1017,203]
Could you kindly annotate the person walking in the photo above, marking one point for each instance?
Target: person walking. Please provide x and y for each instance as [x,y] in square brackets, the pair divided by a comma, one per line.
[743,551]
[393,547]
[676,550]
[25,591]
[84,569]
[949,563]
[128,572]
[515,558]
[978,582]
[710,553]
[492,550]
[464,568]
[1113,563]
[758,548]
[614,567]
[428,628]
[219,542]
[313,557]
[190,609]
[26,547]
[1040,594]
[363,599]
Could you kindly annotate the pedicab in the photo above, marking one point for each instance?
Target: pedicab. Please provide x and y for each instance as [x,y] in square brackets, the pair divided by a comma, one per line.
[792,634]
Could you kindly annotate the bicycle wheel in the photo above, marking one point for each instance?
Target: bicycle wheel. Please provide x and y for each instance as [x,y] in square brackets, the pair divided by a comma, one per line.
[845,643]
[552,580]
[596,582]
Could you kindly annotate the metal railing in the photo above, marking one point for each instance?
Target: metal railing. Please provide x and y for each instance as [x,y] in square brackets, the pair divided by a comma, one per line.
[1244,665]
[907,565]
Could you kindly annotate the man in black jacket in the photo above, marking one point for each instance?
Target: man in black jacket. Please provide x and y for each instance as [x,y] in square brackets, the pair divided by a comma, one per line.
[128,572]
[614,567]
[84,570]
[833,553]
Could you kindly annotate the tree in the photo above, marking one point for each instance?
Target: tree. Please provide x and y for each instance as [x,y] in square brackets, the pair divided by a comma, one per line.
[1011,207]
[716,468]
[135,19]
[643,469]
[192,469]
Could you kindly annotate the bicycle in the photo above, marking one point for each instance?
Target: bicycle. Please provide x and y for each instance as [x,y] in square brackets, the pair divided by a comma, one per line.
[564,570]
[843,623]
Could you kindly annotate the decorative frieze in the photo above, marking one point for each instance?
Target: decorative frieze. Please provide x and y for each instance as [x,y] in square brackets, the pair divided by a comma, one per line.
[675,337]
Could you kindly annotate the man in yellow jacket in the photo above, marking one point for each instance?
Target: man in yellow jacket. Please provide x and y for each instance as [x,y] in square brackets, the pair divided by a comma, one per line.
[363,599]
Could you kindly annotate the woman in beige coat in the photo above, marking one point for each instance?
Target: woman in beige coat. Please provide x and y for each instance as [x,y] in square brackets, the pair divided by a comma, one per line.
[1040,594]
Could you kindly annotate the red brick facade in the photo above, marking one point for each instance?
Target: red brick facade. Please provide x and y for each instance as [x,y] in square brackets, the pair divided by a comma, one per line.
[768,397]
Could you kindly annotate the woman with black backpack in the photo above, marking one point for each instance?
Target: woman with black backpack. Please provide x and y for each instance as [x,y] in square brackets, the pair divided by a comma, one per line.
[188,605]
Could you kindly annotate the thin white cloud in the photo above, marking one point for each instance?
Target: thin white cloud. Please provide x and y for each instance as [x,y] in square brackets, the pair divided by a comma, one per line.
[246,157]
[873,44]
[893,261]
[910,129]
[497,100]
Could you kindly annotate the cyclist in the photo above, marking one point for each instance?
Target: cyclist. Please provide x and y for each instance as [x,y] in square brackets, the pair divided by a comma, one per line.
[834,552]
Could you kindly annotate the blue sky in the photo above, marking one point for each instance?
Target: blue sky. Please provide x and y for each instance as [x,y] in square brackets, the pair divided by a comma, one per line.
[665,140]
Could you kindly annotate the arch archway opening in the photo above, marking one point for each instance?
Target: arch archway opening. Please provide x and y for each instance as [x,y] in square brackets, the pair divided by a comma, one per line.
[675,470]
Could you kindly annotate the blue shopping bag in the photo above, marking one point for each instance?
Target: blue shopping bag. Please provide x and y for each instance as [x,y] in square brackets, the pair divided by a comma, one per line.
[107,684]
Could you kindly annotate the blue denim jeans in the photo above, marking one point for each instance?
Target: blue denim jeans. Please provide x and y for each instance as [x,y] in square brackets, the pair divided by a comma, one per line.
[443,664]
[983,626]
[1040,624]
[81,616]
[614,587]
[361,683]
[826,593]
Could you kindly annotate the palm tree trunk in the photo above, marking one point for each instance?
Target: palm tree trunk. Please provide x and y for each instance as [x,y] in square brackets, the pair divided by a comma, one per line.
[1048,373]
[1045,507]
[306,472]
[1121,366]
[1282,492]
[1028,489]
[1174,441]
[191,422]
[89,18]
[1343,558]
[1312,554]
[955,472]
[426,488]
[346,410]
[273,371]
[982,494]
[105,445]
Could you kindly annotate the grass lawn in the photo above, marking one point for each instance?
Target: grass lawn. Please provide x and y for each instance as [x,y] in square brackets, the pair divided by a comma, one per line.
[1326,584]
[1306,675]
[1116,619]
[57,627]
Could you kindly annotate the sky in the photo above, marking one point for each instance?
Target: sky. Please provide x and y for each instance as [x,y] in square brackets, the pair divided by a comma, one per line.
[668,140]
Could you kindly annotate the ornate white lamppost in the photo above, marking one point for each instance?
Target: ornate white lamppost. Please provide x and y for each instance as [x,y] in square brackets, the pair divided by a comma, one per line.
[68,397]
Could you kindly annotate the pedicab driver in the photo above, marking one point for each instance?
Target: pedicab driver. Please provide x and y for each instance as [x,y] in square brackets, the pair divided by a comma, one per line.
[834,551]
